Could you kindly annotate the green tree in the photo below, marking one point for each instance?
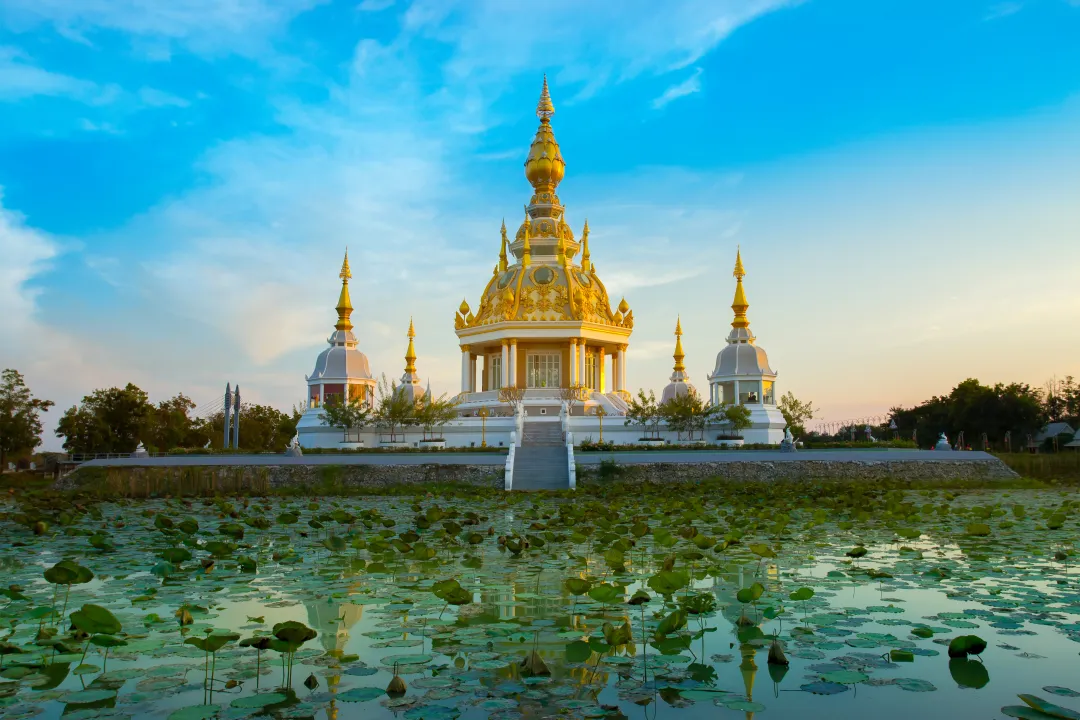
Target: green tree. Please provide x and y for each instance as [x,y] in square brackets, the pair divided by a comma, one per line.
[644,412]
[113,420]
[736,417]
[170,425]
[975,409]
[687,414]
[394,410]
[433,413]
[347,415]
[795,413]
[20,421]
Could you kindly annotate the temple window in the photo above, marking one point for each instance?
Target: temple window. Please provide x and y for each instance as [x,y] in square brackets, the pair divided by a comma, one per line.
[331,391]
[356,393]
[748,394]
[590,371]
[543,370]
[768,393]
[494,364]
[315,400]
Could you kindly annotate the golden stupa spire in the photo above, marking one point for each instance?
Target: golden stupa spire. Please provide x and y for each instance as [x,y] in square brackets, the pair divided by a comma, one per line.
[410,354]
[679,354]
[586,261]
[526,254]
[544,167]
[502,250]
[544,108]
[739,304]
[344,304]
[748,669]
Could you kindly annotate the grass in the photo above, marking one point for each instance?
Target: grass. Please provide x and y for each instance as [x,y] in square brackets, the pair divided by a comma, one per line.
[22,480]
[1044,466]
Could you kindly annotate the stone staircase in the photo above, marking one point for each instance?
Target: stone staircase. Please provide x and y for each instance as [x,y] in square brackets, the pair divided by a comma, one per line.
[540,463]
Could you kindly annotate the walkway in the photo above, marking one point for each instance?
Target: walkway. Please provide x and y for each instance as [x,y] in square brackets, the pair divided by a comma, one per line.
[540,462]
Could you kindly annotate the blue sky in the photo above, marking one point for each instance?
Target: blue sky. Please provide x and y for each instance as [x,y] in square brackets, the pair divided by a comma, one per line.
[179,181]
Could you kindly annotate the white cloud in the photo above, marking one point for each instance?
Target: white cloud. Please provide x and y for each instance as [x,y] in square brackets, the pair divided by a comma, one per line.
[26,253]
[20,78]
[159,98]
[203,26]
[1002,10]
[689,86]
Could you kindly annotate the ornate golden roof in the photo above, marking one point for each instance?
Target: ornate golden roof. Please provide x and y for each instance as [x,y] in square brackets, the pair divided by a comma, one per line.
[541,282]
[679,355]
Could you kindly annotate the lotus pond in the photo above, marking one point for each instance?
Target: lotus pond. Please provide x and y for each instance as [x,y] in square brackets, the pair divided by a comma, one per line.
[808,601]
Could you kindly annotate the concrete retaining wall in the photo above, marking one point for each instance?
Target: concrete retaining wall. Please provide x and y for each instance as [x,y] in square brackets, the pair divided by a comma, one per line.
[196,480]
[942,470]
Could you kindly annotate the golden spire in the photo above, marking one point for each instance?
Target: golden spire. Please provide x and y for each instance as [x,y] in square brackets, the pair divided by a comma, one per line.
[739,304]
[502,250]
[544,108]
[526,255]
[344,304]
[586,262]
[679,354]
[410,354]
[544,167]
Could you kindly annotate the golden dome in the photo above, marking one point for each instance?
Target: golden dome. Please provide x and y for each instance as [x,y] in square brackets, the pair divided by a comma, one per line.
[546,292]
[544,167]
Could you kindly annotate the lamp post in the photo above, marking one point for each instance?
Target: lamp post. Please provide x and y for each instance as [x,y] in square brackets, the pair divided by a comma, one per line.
[483,414]
[600,412]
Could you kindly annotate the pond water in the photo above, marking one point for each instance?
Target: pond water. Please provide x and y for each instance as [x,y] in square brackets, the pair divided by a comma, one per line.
[890,579]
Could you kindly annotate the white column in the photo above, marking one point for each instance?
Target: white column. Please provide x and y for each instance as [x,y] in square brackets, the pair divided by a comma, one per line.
[582,380]
[322,397]
[622,367]
[505,364]
[761,392]
[465,355]
[513,362]
[600,360]
[571,371]
[472,372]
[735,401]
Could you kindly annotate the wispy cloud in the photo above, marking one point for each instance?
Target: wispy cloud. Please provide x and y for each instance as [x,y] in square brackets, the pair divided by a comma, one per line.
[1002,10]
[159,98]
[20,78]
[209,27]
[689,86]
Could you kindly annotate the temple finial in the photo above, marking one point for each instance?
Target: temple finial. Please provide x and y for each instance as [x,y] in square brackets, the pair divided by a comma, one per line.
[503,264]
[586,260]
[739,304]
[526,252]
[679,354]
[344,307]
[544,108]
[410,353]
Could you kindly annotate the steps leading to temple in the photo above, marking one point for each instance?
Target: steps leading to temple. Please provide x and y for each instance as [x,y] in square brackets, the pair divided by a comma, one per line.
[541,463]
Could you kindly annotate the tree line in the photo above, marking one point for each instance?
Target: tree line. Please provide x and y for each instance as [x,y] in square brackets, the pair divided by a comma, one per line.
[394,411]
[1007,414]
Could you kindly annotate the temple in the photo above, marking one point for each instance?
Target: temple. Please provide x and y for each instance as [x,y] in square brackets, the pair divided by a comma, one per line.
[544,321]
[543,332]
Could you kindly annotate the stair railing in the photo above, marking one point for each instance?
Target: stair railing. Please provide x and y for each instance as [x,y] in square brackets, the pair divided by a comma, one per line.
[570,460]
[508,478]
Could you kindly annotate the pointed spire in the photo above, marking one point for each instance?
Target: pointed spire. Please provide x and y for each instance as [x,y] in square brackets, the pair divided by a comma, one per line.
[739,304]
[544,108]
[679,354]
[344,306]
[410,354]
[586,260]
[526,254]
[503,264]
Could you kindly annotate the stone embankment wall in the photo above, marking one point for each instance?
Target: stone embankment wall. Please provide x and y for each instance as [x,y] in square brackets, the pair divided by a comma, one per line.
[939,470]
[198,480]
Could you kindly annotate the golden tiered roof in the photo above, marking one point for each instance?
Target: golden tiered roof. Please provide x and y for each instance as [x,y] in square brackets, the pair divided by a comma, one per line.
[536,278]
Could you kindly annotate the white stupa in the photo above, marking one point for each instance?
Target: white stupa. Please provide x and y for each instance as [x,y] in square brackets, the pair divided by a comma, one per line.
[742,374]
[341,370]
[680,381]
